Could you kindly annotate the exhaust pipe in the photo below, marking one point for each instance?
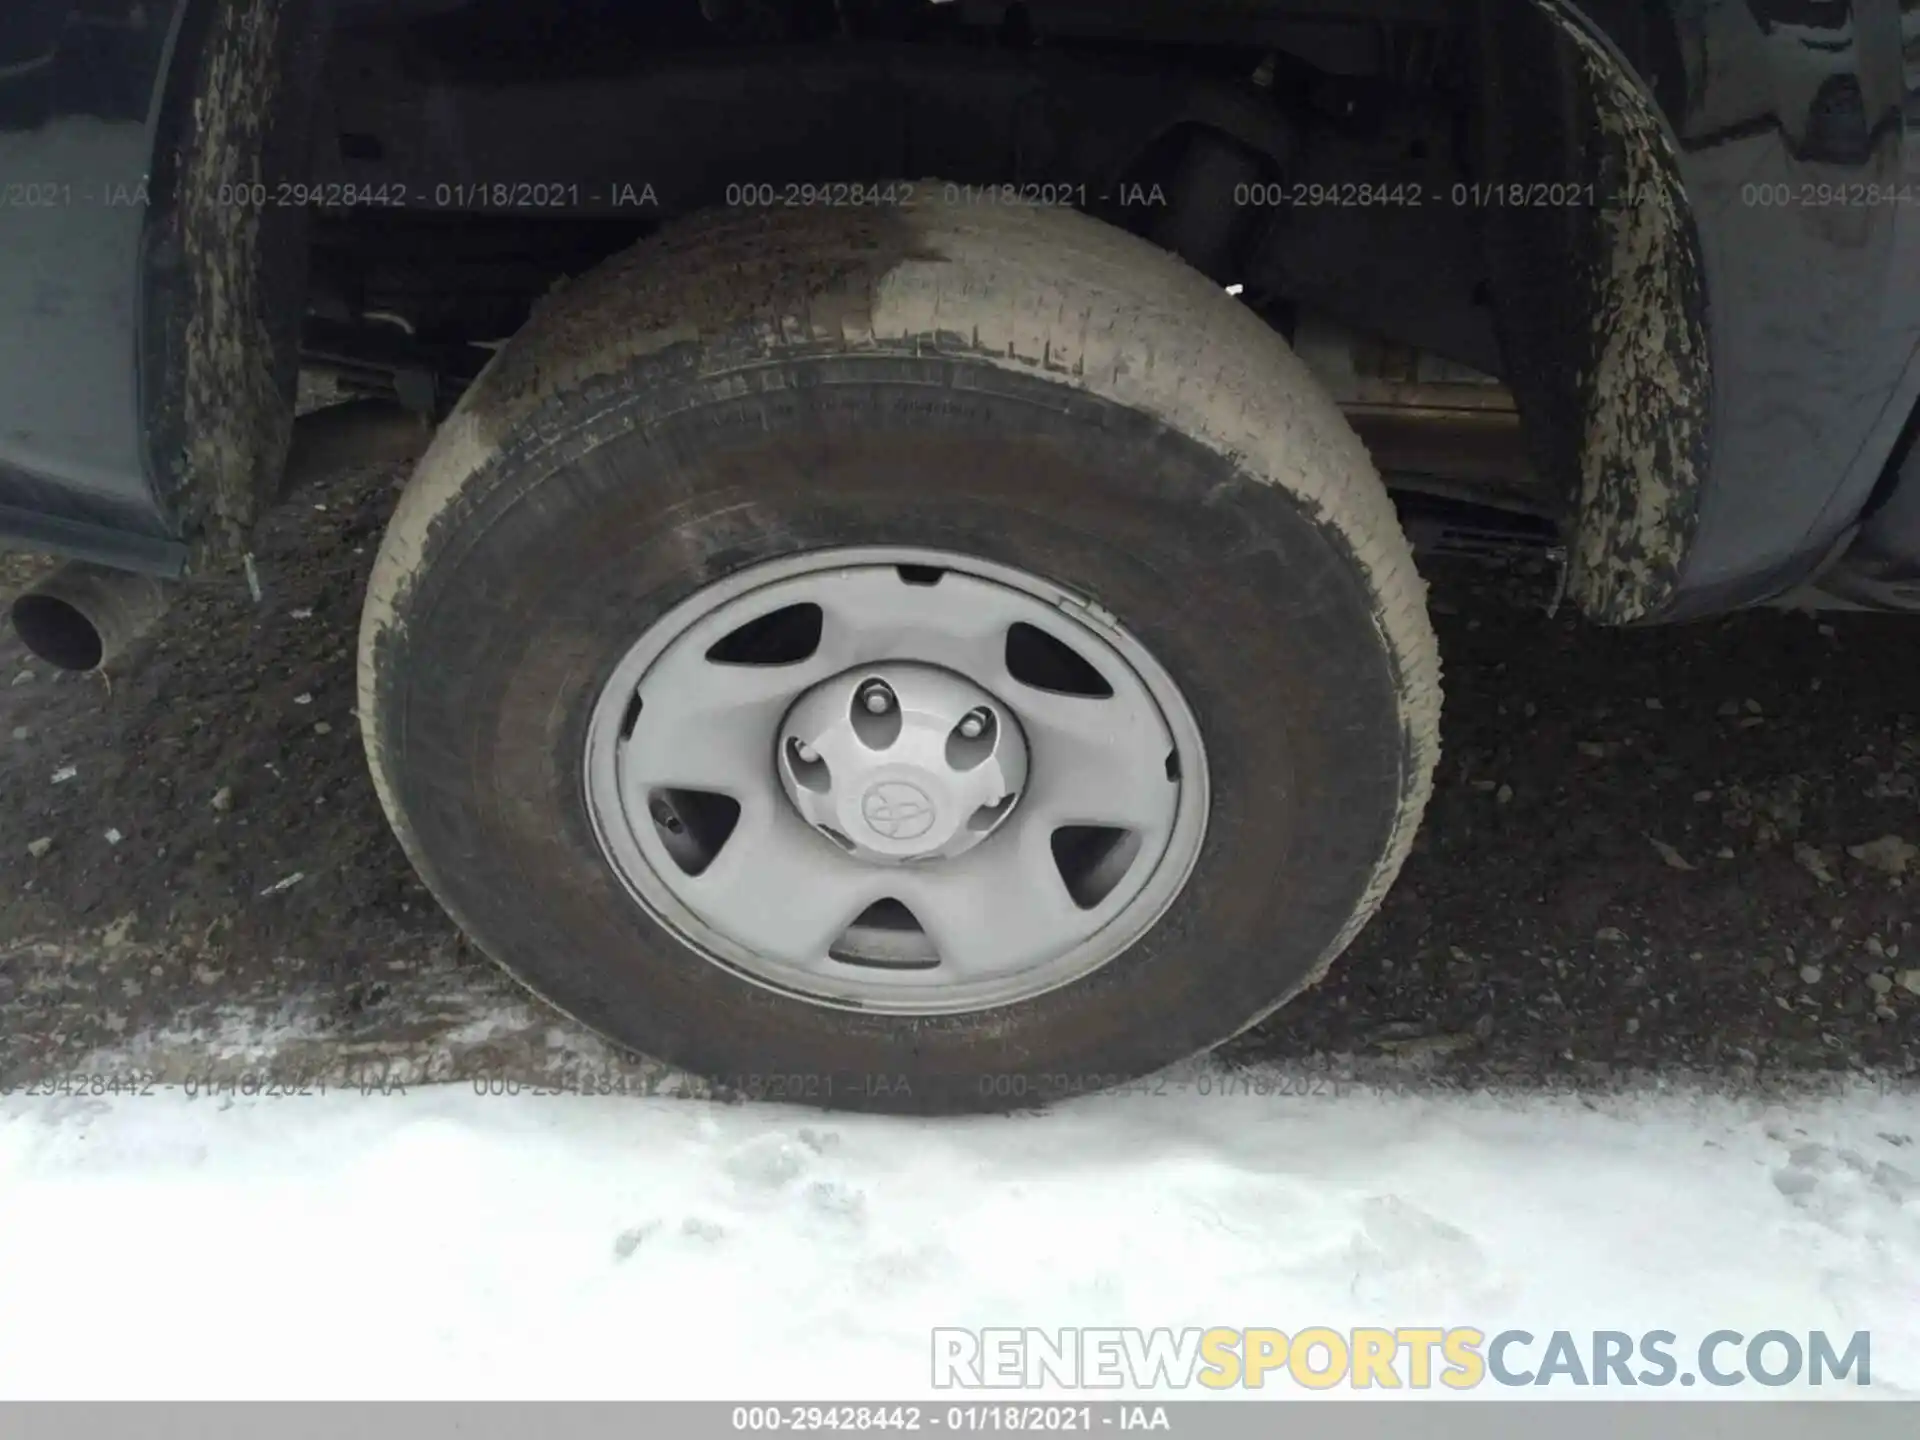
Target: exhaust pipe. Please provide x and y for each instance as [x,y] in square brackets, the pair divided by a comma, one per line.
[84,615]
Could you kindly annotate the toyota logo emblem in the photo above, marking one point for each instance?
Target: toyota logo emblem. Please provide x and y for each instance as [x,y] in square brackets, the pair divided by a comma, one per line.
[897,810]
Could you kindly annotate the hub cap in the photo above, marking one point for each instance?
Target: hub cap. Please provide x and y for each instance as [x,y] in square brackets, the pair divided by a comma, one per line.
[905,781]
[902,762]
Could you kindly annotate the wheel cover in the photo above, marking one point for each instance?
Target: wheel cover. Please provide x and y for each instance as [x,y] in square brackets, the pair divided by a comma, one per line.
[897,780]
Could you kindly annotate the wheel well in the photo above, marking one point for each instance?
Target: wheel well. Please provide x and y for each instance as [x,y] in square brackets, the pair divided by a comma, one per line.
[1333,164]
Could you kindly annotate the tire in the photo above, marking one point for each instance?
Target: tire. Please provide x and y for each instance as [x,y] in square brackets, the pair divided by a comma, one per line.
[1021,385]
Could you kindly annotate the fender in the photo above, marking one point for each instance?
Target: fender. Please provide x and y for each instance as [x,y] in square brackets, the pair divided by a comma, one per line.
[147,329]
[1753,367]
[1715,366]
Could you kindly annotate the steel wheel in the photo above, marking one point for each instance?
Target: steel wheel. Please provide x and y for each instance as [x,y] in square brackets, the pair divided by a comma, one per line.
[898,780]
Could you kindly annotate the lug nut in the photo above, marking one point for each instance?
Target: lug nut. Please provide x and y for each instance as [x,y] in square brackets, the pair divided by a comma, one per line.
[877,699]
[804,752]
[974,724]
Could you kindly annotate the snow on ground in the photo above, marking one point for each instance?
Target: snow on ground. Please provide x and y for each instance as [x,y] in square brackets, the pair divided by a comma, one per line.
[442,1243]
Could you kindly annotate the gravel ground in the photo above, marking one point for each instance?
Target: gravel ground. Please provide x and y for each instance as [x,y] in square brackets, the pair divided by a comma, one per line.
[1681,852]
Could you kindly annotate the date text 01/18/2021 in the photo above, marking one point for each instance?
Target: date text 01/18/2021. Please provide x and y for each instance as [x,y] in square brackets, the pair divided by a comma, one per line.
[960,1419]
